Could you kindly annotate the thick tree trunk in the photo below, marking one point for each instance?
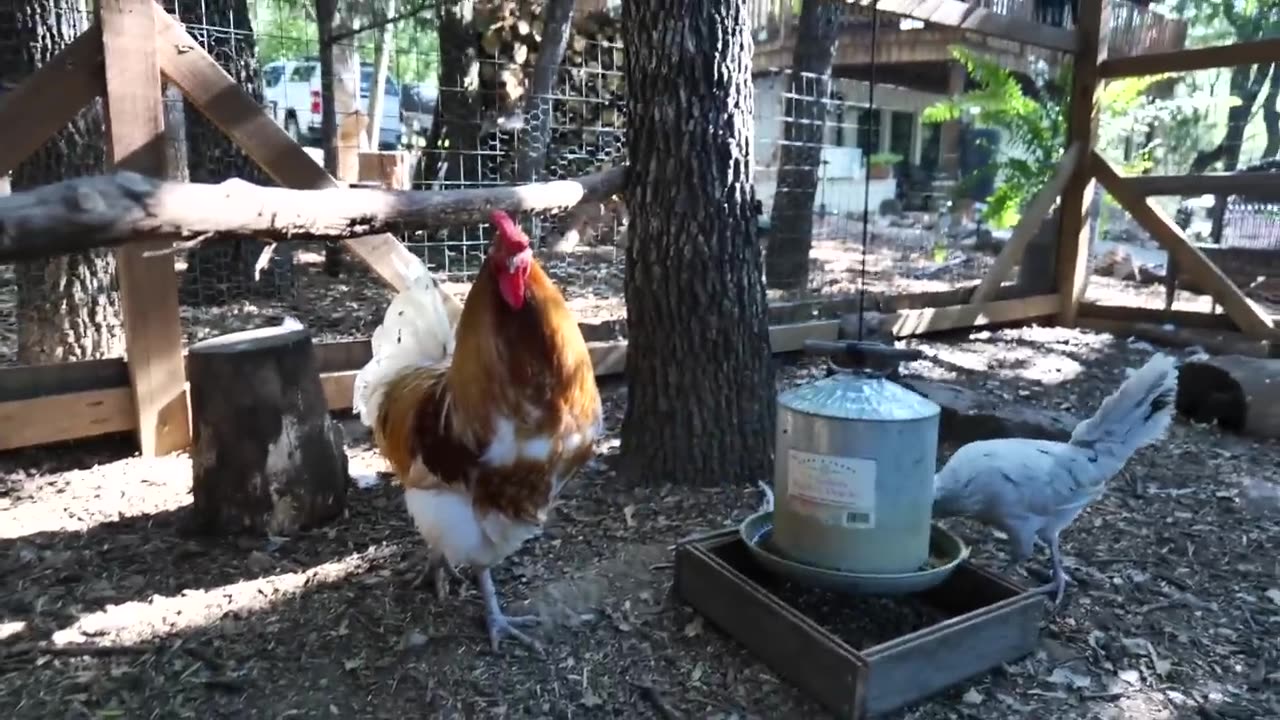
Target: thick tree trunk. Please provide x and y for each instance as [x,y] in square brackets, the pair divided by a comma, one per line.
[805,113]
[456,125]
[339,103]
[222,273]
[1271,115]
[700,403]
[381,64]
[68,305]
[265,456]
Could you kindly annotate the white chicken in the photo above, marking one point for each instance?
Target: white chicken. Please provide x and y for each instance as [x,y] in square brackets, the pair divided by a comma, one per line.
[1033,489]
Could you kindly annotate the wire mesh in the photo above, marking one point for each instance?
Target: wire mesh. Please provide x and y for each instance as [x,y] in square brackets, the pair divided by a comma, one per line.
[471,125]
[64,307]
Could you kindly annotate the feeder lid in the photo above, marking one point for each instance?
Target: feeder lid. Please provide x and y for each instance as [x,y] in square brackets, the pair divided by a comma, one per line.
[855,397]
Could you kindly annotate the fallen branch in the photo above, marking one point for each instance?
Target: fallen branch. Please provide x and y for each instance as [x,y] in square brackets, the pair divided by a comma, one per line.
[107,210]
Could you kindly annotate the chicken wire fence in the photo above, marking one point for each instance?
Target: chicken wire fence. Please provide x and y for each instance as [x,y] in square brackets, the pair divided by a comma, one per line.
[486,120]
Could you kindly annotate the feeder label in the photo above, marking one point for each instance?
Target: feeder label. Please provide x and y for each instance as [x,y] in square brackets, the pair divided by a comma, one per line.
[845,486]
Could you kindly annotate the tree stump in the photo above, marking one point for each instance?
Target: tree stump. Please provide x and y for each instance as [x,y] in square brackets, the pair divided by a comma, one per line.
[1240,393]
[265,456]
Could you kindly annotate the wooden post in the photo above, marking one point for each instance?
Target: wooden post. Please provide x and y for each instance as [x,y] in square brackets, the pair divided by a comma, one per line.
[1092,27]
[148,285]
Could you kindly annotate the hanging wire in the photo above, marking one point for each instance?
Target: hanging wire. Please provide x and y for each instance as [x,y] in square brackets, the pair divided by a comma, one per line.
[866,185]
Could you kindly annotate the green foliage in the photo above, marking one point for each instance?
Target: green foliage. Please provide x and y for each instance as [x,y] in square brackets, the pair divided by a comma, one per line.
[286,30]
[1035,130]
[885,158]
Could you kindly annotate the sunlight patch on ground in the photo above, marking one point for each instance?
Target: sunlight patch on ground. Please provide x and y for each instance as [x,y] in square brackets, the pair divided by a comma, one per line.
[161,615]
[81,499]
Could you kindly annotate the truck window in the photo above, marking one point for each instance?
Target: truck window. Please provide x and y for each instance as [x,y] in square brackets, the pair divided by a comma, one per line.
[272,74]
[303,72]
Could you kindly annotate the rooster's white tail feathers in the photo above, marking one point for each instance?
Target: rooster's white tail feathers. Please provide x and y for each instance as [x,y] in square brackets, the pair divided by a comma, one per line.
[418,329]
[1137,414]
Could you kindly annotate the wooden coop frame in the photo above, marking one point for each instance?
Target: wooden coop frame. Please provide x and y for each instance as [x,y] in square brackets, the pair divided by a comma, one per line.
[123,57]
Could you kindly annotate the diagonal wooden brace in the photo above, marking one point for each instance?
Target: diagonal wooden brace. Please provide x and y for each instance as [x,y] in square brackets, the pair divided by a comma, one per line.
[237,114]
[49,98]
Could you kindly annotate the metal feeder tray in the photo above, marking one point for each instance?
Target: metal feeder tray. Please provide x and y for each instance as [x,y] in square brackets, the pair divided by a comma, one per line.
[990,621]
[757,531]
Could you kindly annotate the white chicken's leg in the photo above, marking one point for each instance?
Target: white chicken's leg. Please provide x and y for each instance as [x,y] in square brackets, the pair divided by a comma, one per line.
[1058,585]
[499,623]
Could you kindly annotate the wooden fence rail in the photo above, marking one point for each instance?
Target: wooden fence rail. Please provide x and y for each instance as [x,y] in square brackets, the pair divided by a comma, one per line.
[135,43]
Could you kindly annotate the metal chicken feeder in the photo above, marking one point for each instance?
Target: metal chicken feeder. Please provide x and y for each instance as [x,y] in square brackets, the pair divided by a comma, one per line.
[853,481]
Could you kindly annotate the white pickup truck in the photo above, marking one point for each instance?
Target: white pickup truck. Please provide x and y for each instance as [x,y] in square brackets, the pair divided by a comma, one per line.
[291,89]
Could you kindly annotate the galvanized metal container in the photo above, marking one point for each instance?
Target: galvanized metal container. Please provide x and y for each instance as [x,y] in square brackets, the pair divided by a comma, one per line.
[853,474]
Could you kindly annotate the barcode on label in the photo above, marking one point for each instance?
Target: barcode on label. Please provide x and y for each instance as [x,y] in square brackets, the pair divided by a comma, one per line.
[857,518]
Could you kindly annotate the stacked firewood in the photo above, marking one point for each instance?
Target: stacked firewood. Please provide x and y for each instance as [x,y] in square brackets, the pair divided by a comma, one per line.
[588,97]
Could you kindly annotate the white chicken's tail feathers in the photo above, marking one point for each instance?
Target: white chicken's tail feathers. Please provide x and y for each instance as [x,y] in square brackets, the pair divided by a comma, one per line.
[418,329]
[1137,414]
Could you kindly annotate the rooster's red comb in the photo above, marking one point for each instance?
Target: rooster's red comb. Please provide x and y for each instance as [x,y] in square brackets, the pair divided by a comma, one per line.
[513,238]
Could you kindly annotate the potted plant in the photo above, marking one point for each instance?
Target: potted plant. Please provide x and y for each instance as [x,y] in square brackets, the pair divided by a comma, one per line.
[882,165]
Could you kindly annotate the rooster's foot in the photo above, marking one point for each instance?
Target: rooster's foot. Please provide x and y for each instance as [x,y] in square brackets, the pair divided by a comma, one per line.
[499,623]
[441,572]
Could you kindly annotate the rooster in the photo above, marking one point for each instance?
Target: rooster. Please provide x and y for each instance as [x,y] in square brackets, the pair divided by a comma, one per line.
[483,411]
[1034,489]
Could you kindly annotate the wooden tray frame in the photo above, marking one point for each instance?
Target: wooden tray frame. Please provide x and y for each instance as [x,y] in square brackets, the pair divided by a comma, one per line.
[990,621]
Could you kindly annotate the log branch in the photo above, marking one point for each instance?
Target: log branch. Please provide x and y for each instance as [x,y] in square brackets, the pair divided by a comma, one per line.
[109,210]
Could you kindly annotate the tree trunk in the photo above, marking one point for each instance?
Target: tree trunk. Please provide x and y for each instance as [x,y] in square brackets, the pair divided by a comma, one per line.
[1246,84]
[339,101]
[532,154]
[224,272]
[69,305]
[456,125]
[265,456]
[1271,115]
[700,403]
[381,64]
[791,220]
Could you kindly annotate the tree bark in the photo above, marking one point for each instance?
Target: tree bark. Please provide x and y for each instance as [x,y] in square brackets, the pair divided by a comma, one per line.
[381,64]
[700,404]
[265,457]
[1242,394]
[87,212]
[456,124]
[68,305]
[808,95]
[1271,115]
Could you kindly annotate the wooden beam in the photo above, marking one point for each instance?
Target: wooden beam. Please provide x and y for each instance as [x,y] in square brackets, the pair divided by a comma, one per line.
[49,98]
[1158,316]
[1028,225]
[975,19]
[1247,315]
[1093,25]
[1263,186]
[1215,341]
[228,106]
[1254,52]
[148,285]
[110,210]
[923,321]
[71,416]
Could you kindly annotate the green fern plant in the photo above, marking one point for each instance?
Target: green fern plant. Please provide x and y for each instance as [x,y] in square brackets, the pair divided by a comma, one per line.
[1034,130]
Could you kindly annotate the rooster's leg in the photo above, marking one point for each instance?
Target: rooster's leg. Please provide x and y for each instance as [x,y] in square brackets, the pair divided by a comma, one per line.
[500,624]
[441,572]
